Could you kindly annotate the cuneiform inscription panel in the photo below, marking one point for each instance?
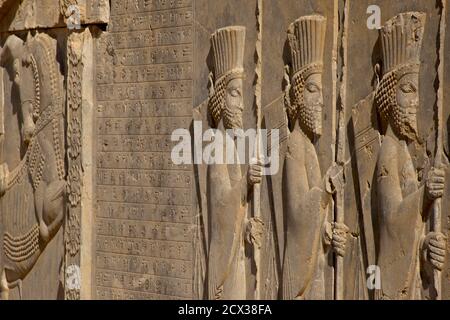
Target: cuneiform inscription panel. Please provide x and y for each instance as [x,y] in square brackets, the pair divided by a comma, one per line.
[143,230]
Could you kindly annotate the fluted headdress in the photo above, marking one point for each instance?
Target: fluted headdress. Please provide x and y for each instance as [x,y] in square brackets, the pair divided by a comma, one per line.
[306,37]
[228,46]
[401,40]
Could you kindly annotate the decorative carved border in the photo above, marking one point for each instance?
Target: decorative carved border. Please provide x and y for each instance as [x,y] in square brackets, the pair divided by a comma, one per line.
[72,234]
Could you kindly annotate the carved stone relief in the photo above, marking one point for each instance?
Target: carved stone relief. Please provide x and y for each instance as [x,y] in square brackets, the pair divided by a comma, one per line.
[72,234]
[33,188]
[94,206]
[32,14]
[228,187]
[397,99]
[308,233]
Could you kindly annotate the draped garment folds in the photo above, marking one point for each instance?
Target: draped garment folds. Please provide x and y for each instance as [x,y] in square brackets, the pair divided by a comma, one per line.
[227,213]
[304,216]
[400,226]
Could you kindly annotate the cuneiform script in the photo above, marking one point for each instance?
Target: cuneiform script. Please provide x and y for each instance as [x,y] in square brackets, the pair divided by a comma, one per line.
[143,231]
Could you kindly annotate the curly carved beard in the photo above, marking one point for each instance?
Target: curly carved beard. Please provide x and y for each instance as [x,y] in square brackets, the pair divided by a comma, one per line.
[404,123]
[311,117]
[232,120]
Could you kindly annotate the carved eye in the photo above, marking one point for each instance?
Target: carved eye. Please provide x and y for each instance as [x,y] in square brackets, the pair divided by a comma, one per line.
[311,87]
[408,88]
[235,93]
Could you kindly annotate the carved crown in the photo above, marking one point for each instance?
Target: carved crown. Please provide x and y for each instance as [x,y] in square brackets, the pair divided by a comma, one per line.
[306,37]
[401,40]
[228,46]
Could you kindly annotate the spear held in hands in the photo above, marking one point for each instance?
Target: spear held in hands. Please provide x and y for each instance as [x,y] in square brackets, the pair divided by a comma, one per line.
[438,161]
[257,187]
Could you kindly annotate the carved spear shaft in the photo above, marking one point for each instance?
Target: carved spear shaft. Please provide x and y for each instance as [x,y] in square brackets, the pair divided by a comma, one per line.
[340,157]
[437,205]
[258,103]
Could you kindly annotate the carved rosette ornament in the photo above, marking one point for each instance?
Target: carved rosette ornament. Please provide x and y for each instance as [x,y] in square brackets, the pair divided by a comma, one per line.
[306,37]
[74,138]
[74,151]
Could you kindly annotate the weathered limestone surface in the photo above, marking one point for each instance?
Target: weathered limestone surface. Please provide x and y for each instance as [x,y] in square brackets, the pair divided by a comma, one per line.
[33,14]
[143,223]
[93,205]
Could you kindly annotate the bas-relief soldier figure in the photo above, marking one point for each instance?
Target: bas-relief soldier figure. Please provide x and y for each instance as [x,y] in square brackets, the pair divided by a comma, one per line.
[306,192]
[228,188]
[32,195]
[404,252]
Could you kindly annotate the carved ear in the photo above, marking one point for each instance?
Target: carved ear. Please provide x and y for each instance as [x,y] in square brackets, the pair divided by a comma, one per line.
[377,70]
[211,89]
[287,72]
[12,49]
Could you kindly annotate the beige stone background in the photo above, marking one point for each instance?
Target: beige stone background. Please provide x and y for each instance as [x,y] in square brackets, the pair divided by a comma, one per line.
[44,282]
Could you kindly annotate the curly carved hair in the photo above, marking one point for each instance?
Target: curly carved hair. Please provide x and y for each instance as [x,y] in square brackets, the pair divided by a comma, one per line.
[385,96]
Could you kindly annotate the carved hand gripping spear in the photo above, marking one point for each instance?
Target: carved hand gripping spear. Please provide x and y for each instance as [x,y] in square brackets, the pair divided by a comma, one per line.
[340,159]
[339,205]
[438,161]
[257,187]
